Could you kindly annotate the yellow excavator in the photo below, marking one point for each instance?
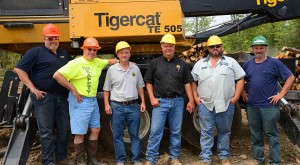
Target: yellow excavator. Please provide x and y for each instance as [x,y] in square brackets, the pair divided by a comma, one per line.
[142,23]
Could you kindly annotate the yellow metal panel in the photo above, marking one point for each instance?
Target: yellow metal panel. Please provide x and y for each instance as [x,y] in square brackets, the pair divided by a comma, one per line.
[30,35]
[145,20]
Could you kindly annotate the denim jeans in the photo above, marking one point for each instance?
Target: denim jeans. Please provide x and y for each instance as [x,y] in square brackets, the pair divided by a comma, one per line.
[209,120]
[52,112]
[129,115]
[264,120]
[173,109]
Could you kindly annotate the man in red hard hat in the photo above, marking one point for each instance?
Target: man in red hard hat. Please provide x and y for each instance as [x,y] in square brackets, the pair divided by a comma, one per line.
[81,77]
[48,97]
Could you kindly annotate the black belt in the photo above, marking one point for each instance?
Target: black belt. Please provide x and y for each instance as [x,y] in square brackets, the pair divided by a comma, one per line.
[169,97]
[126,102]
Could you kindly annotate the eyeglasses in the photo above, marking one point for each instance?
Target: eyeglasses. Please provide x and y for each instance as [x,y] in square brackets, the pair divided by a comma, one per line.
[214,46]
[51,38]
[94,50]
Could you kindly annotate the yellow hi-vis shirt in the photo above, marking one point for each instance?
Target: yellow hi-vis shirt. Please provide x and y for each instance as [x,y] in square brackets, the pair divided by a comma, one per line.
[84,74]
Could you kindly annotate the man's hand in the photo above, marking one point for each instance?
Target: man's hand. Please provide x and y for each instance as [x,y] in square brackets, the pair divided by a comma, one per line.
[197,100]
[143,107]
[154,102]
[234,100]
[274,99]
[38,94]
[108,109]
[77,96]
[190,106]
[245,96]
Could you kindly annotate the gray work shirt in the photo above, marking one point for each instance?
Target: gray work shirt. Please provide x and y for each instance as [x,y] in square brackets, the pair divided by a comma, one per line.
[123,84]
[216,86]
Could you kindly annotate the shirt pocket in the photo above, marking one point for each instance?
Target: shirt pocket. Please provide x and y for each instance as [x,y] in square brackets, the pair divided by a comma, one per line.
[268,76]
[224,70]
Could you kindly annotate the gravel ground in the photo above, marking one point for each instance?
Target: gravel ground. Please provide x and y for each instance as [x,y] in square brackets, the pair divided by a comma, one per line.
[240,150]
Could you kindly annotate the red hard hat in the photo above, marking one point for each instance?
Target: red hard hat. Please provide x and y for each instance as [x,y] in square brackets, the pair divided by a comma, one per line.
[91,42]
[51,30]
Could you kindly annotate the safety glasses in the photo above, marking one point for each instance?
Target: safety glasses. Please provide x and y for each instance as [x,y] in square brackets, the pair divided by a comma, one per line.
[214,46]
[90,49]
[51,38]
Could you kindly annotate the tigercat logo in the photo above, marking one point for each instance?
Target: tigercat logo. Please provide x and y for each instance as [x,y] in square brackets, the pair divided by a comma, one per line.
[270,3]
[151,21]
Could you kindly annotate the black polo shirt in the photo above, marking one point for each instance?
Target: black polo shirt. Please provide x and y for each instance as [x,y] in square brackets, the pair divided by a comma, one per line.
[40,64]
[168,77]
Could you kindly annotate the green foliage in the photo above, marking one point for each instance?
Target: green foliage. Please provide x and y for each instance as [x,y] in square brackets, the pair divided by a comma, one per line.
[279,34]
[8,60]
[195,24]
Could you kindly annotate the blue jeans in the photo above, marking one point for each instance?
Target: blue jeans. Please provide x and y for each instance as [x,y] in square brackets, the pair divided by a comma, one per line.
[173,109]
[209,120]
[52,112]
[129,115]
[264,120]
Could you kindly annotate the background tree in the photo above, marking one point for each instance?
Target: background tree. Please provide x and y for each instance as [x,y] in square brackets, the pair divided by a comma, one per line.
[196,24]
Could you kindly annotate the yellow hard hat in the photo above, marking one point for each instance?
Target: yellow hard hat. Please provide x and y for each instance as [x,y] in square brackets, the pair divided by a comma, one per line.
[168,38]
[91,42]
[122,45]
[214,40]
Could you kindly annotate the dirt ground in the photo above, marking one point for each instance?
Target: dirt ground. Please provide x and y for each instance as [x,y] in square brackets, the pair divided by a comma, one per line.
[240,150]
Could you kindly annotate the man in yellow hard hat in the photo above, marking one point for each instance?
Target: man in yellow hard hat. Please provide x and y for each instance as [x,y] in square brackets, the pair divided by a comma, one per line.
[123,84]
[48,97]
[220,84]
[167,80]
[81,77]
[262,99]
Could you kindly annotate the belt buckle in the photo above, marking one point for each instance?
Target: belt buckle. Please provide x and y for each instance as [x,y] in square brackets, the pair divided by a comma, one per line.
[125,102]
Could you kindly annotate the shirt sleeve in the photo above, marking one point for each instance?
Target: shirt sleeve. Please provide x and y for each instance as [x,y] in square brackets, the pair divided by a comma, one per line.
[140,83]
[187,74]
[102,63]
[194,72]
[107,82]
[149,73]
[282,70]
[69,70]
[239,73]
[28,61]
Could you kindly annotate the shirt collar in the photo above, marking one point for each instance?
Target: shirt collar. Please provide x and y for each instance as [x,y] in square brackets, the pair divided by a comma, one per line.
[120,69]
[208,57]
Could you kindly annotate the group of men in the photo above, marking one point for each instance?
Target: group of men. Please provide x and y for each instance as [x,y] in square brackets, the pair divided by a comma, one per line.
[63,92]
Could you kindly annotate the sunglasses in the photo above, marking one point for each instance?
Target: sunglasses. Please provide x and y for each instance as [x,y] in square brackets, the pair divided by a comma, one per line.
[94,50]
[51,38]
[214,46]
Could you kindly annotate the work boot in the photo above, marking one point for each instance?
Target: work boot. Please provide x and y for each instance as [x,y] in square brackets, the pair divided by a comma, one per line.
[137,163]
[175,162]
[64,162]
[202,163]
[148,163]
[225,162]
[80,154]
[92,146]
